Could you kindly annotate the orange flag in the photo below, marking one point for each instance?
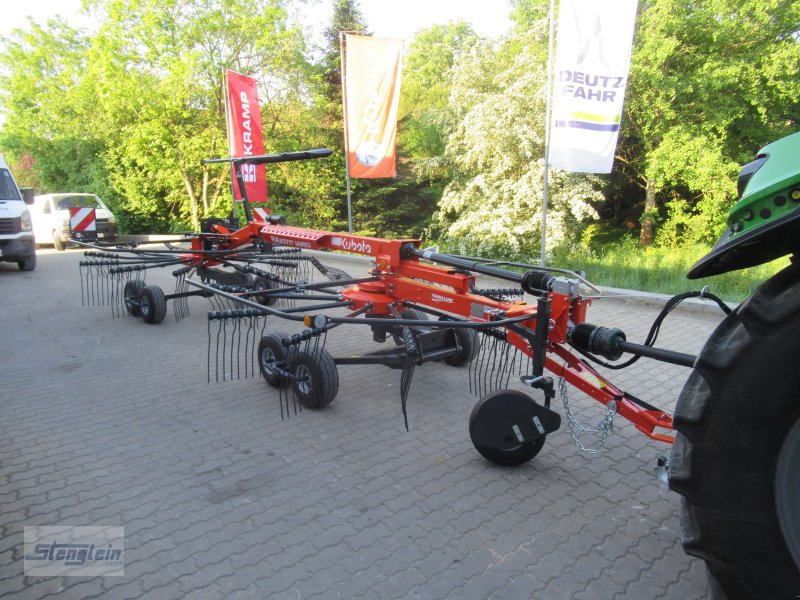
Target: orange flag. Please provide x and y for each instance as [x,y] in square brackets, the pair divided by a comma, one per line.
[371,96]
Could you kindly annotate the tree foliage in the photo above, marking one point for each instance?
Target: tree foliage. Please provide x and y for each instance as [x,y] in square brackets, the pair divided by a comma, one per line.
[129,111]
[710,83]
[494,200]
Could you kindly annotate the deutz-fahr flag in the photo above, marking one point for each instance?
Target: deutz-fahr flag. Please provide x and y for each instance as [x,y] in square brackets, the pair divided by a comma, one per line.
[372,94]
[591,70]
[243,117]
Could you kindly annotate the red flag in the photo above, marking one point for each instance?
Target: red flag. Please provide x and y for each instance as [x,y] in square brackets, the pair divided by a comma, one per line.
[244,133]
[372,94]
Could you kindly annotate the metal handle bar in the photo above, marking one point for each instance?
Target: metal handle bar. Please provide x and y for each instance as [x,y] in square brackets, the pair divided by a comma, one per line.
[262,159]
[364,321]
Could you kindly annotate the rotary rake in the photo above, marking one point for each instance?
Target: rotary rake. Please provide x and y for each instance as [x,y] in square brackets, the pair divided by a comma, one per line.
[425,304]
[737,449]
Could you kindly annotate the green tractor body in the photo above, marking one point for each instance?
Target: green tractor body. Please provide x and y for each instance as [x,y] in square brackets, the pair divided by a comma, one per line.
[765,223]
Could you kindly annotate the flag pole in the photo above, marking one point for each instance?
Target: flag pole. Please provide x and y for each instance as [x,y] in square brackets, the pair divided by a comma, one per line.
[346,130]
[549,107]
[229,137]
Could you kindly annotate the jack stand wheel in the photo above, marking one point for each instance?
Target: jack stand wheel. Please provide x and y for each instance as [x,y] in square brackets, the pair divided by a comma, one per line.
[316,379]
[503,429]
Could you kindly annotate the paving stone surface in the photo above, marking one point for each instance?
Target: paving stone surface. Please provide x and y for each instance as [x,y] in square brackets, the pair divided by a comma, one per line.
[110,421]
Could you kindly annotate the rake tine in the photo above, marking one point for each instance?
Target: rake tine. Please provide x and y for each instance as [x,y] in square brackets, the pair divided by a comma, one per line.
[90,289]
[208,353]
[224,333]
[488,368]
[479,366]
[511,367]
[405,386]
[247,346]
[238,333]
[80,271]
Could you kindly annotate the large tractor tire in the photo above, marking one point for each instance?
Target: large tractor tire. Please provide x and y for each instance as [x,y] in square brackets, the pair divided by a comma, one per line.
[736,460]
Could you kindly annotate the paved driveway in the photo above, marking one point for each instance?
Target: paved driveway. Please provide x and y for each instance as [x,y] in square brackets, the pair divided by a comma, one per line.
[108,421]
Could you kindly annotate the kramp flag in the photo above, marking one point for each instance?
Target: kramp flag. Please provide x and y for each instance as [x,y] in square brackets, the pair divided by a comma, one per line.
[245,138]
[373,69]
[593,57]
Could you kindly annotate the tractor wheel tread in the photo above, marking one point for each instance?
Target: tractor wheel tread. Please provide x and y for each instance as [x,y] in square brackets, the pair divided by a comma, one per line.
[732,417]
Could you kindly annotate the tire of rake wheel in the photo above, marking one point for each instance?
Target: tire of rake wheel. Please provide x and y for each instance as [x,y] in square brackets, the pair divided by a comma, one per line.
[272,354]
[409,314]
[152,304]
[470,343]
[262,283]
[736,459]
[316,379]
[131,294]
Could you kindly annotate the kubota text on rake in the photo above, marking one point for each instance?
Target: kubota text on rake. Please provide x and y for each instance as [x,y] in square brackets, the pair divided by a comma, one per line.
[427,304]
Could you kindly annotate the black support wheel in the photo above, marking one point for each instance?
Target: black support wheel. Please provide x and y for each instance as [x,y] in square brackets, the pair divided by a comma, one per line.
[409,314]
[316,379]
[131,294]
[500,428]
[412,314]
[263,284]
[272,358]
[736,460]
[469,344]
[152,304]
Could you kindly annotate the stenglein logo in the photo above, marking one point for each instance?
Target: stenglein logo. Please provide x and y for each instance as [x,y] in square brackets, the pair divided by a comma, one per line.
[74,551]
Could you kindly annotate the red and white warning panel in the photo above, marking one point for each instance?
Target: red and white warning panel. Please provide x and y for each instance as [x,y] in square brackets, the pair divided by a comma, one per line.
[83,223]
[261,214]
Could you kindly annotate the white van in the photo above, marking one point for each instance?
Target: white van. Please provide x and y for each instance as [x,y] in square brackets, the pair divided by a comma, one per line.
[51,218]
[17,243]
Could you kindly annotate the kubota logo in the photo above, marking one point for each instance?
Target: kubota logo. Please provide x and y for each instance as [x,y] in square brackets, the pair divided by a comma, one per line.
[353,246]
[438,298]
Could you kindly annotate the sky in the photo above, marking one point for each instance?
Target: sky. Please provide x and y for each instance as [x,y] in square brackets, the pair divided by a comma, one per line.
[386,18]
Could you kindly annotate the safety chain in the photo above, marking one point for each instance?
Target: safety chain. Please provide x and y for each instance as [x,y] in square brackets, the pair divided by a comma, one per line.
[605,427]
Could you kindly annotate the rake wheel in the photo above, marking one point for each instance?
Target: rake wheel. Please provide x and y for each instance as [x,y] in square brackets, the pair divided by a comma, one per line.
[131,294]
[262,283]
[153,304]
[469,342]
[736,460]
[316,379]
[409,314]
[272,354]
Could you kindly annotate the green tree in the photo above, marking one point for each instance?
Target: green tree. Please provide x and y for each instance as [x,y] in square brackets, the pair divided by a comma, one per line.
[164,69]
[710,83]
[493,203]
[136,107]
[48,110]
